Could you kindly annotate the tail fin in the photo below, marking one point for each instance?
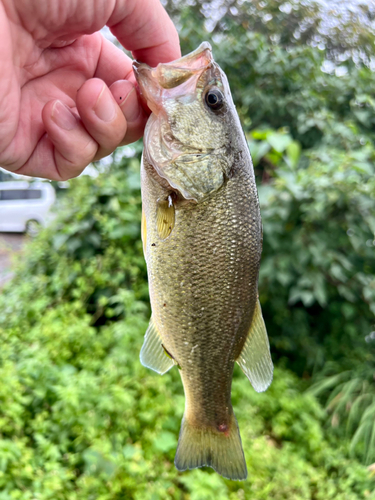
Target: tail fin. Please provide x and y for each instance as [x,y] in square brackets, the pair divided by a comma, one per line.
[198,447]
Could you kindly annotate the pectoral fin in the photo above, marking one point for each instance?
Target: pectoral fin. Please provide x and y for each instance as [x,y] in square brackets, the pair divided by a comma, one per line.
[255,358]
[165,218]
[153,354]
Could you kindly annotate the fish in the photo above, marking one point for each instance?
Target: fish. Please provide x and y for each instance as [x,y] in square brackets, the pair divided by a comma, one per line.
[202,241]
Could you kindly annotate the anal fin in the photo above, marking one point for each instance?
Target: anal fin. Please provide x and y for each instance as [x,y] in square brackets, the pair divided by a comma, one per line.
[255,358]
[153,354]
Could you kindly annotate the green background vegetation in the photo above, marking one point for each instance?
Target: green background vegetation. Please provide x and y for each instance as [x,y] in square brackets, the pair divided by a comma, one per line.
[80,418]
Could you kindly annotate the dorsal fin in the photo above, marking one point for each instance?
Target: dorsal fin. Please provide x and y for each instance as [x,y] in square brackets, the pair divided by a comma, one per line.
[255,358]
[153,354]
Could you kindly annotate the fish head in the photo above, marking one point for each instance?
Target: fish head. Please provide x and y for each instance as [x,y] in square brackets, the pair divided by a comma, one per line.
[191,134]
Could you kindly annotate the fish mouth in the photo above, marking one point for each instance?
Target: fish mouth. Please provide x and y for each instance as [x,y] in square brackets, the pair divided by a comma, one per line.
[157,84]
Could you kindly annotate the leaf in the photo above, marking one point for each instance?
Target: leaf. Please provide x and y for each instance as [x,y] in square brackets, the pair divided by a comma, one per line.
[279,142]
[293,151]
[165,442]
[258,150]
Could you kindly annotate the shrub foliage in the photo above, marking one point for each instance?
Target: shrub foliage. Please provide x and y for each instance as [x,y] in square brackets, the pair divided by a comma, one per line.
[81,418]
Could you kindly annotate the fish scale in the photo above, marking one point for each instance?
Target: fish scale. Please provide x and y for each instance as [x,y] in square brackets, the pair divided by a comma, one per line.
[202,241]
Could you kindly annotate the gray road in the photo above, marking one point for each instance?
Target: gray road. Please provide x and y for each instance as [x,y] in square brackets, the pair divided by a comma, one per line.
[10,245]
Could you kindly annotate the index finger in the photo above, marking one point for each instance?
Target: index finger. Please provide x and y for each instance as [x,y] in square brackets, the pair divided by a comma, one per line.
[144,28]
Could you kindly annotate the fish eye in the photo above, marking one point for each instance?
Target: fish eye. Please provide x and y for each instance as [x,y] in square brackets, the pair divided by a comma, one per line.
[214,99]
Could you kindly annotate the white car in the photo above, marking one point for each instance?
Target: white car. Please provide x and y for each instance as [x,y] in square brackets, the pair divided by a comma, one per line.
[24,206]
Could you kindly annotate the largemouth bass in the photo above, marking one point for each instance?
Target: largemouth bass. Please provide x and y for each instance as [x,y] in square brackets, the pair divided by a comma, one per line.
[202,238]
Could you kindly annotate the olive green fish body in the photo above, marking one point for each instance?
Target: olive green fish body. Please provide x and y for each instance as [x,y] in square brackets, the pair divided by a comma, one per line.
[203,286]
[202,240]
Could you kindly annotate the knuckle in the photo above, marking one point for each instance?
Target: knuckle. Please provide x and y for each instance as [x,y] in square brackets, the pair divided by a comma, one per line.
[69,166]
[88,151]
[117,137]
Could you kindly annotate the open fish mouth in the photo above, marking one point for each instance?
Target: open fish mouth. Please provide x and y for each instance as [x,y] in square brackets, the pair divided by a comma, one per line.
[157,84]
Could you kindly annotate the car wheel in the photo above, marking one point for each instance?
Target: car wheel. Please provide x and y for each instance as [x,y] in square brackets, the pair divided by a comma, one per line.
[33,228]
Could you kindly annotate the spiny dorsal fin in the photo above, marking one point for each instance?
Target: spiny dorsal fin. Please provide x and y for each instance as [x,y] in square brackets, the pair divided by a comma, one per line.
[165,217]
[255,358]
[153,354]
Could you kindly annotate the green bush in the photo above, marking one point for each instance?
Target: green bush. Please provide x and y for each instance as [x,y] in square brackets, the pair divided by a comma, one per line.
[91,257]
[350,400]
[79,415]
[317,278]
[81,418]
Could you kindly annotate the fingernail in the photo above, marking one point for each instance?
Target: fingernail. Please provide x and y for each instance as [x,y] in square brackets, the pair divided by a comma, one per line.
[63,117]
[105,107]
[130,106]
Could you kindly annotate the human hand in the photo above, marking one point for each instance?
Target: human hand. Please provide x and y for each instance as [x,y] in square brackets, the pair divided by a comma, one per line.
[67,94]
